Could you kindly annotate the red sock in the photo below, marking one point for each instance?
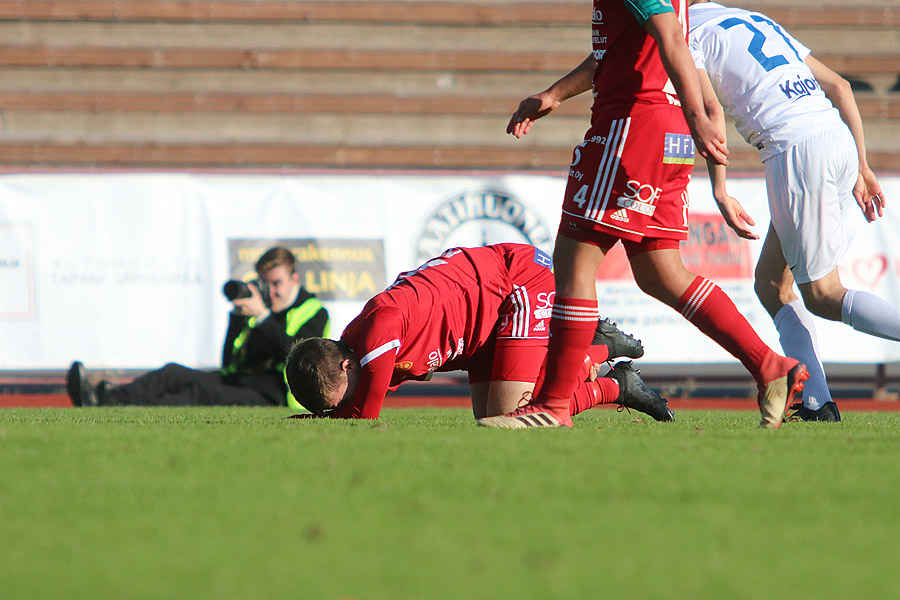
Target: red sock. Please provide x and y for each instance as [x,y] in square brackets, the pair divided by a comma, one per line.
[711,311]
[603,390]
[595,354]
[572,327]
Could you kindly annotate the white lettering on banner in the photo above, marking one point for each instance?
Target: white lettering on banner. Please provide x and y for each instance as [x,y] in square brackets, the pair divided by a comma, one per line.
[142,297]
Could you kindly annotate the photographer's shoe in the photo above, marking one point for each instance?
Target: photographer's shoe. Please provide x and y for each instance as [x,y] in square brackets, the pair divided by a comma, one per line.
[634,393]
[77,387]
[619,343]
[105,393]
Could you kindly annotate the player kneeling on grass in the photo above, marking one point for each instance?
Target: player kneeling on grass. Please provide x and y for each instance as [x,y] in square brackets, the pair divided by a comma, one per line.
[480,310]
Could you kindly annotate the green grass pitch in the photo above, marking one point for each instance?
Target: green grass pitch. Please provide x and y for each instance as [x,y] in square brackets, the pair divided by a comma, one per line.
[243,504]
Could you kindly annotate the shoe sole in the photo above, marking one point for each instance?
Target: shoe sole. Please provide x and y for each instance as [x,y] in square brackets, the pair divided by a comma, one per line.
[526,421]
[776,402]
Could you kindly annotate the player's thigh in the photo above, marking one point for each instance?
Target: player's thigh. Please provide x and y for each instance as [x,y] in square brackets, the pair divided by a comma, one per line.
[809,187]
[660,272]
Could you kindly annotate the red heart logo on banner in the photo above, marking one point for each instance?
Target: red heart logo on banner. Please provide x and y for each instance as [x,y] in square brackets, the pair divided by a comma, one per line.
[870,270]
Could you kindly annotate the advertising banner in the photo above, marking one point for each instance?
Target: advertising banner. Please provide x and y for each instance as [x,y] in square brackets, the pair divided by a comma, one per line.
[125,270]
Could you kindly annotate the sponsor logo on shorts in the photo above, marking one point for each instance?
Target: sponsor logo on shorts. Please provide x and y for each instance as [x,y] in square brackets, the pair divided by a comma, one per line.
[619,215]
[539,327]
[639,197]
[678,148]
[404,365]
[794,89]
[599,54]
[478,218]
[597,17]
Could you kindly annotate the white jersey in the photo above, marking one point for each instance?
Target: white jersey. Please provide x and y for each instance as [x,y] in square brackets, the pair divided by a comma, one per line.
[758,72]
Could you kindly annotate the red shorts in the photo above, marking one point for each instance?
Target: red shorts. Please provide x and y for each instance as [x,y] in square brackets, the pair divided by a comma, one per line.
[629,177]
[522,331]
[508,360]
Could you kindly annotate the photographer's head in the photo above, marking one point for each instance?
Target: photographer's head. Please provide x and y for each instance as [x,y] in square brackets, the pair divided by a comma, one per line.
[277,267]
[321,373]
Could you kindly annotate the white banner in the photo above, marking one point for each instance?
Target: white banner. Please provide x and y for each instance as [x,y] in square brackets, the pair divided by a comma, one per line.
[126,270]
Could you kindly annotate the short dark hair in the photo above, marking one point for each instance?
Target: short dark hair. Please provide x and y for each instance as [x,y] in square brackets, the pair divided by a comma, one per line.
[276,257]
[313,371]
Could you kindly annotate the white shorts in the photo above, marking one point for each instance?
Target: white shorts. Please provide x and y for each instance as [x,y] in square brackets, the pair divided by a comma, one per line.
[809,186]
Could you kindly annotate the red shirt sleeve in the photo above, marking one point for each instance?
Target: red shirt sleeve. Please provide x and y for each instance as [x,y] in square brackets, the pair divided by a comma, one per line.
[375,341]
[372,387]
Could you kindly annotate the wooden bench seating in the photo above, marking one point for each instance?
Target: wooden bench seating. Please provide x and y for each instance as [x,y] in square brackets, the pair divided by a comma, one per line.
[202,83]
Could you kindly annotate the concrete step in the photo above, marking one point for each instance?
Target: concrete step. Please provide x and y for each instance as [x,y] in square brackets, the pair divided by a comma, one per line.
[872,107]
[829,12]
[320,36]
[351,129]
[43,155]
[424,81]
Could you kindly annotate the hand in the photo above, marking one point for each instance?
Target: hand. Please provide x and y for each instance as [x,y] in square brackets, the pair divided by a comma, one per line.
[709,140]
[736,217]
[252,306]
[868,195]
[594,371]
[530,109]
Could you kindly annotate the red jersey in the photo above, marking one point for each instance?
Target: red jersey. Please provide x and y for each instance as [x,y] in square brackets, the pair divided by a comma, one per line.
[629,176]
[629,69]
[446,314]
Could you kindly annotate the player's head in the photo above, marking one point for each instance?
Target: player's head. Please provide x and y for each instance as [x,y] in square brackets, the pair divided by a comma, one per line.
[278,268]
[321,373]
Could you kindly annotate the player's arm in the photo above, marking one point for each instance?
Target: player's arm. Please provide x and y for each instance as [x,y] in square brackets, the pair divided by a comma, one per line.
[867,191]
[532,108]
[732,211]
[676,58]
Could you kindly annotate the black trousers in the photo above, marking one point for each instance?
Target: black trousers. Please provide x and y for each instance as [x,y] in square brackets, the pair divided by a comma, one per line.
[177,385]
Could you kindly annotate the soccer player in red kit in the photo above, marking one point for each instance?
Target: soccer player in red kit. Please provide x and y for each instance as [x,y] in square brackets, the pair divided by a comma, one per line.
[481,310]
[628,181]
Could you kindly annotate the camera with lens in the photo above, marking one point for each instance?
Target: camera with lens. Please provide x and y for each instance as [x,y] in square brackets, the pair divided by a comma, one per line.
[235,289]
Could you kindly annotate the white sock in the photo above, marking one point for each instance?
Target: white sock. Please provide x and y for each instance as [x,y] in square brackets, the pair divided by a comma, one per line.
[797,333]
[870,314]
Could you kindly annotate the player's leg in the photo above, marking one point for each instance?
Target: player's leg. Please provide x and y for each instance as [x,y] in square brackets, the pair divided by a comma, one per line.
[660,272]
[774,286]
[491,398]
[572,325]
[863,311]
[622,386]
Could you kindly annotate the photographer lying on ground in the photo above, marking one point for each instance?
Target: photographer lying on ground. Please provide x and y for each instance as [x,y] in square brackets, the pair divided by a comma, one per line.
[481,310]
[261,328]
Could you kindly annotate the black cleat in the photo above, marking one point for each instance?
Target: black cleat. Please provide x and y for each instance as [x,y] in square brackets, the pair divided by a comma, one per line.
[829,412]
[77,386]
[620,344]
[634,393]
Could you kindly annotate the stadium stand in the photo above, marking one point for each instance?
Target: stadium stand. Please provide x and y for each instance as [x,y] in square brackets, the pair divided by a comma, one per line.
[344,83]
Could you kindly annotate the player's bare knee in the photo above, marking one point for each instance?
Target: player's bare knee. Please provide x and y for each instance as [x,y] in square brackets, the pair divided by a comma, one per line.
[824,302]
